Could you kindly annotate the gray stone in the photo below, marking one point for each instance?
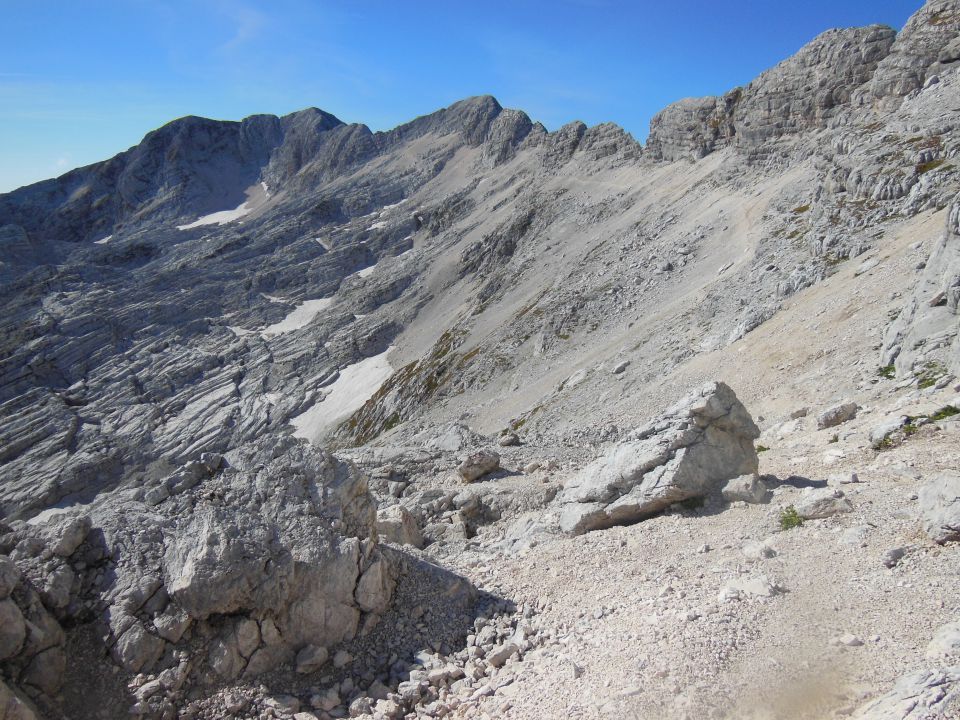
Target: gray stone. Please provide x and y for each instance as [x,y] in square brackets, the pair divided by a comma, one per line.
[945,642]
[137,649]
[13,629]
[698,444]
[9,576]
[923,695]
[311,658]
[886,428]
[822,503]
[746,488]
[836,415]
[396,524]
[478,464]
[939,504]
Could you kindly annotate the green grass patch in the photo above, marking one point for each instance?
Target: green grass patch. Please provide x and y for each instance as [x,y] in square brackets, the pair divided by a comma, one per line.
[800,210]
[790,518]
[762,449]
[930,374]
[887,371]
[944,413]
[930,165]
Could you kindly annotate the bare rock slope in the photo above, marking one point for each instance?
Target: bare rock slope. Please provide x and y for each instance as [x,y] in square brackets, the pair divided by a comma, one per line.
[242,362]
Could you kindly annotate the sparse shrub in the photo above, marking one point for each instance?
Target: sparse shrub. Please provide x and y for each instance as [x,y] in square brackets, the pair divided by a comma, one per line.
[834,438]
[930,374]
[762,449]
[944,412]
[789,518]
[800,210]
[930,165]
[887,371]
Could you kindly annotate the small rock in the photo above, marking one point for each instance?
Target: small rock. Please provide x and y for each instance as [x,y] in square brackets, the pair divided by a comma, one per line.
[945,642]
[508,439]
[893,556]
[837,415]
[620,367]
[756,551]
[848,640]
[478,464]
[500,654]
[311,658]
[746,488]
[341,659]
[822,504]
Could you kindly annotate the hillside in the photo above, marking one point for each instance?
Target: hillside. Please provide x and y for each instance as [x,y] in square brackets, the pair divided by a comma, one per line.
[242,362]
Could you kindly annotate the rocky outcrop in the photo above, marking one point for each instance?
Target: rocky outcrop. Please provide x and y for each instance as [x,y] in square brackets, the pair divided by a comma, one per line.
[689,452]
[939,503]
[238,562]
[922,49]
[927,330]
[917,696]
[693,128]
[803,92]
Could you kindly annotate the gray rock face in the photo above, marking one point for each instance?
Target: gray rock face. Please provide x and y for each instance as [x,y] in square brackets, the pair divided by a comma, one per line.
[800,94]
[806,90]
[919,696]
[927,329]
[939,502]
[263,552]
[702,441]
[693,128]
[916,54]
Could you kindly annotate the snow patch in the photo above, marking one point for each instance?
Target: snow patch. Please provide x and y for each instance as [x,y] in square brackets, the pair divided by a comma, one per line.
[257,196]
[377,225]
[218,218]
[239,331]
[301,315]
[367,271]
[103,241]
[357,384]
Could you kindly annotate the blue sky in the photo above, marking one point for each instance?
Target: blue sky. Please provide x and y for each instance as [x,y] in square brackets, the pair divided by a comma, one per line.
[81,81]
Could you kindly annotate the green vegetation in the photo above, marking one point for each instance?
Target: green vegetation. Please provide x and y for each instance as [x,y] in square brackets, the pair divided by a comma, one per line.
[789,518]
[800,210]
[930,374]
[944,413]
[834,438]
[887,371]
[761,449]
[930,165]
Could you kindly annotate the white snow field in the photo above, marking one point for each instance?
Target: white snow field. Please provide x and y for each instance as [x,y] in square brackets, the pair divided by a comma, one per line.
[257,196]
[299,317]
[356,384]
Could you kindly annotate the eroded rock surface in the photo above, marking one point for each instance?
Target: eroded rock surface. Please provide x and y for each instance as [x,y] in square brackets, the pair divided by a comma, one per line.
[698,444]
